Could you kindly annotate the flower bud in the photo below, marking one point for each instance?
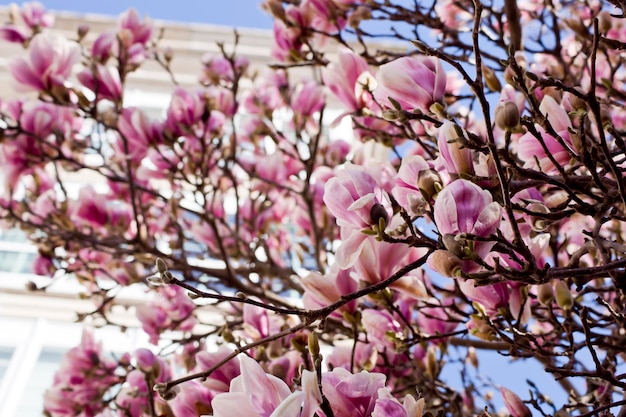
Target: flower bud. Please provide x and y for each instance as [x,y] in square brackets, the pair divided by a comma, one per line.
[604,21]
[429,183]
[514,404]
[563,295]
[491,79]
[545,294]
[161,265]
[314,344]
[537,223]
[168,54]
[82,31]
[507,115]
[446,263]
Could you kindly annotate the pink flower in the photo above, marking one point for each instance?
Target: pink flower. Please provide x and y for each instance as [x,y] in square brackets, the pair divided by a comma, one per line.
[491,297]
[253,393]
[415,82]
[532,152]
[139,131]
[82,380]
[453,157]
[322,290]
[49,63]
[407,184]
[307,98]
[194,400]
[354,198]
[104,81]
[171,310]
[388,406]
[379,325]
[220,379]
[352,394]
[132,29]
[342,77]
[514,404]
[463,207]
[34,15]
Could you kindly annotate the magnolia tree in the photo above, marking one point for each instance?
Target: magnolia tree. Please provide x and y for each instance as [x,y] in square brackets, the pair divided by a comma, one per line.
[292,271]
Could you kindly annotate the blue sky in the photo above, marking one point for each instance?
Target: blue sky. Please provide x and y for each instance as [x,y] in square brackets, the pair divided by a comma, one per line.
[238,13]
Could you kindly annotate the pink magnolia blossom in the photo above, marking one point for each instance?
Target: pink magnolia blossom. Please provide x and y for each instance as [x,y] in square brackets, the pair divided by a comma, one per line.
[322,290]
[132,29]
[34,15]
[342,79]
[352,394]
[388,406]
[171,310]
[139,132]
[463,207]
[220,379]
[532,152]
[407,184]
[514,404]
[48,65]
[415,82]
[103,80]
[350,197]
[454,158]
[307,98]
[253,393]
[491,297]
[193,401]
[85,375]
[380,326]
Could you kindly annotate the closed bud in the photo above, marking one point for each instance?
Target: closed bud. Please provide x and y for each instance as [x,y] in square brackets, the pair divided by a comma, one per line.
[161,265]
[507,115]
[314,344]
[446,263]
[391,115]
[514,404]
[457,245]
[604,21]
[167,277]
[429,183]
[491,79]
[82,31]
[538,223]
[563,295]
[472,357]
[545,294]
[432,366]
[168,54]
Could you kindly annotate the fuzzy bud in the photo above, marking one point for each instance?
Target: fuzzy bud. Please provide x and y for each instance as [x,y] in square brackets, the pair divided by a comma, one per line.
[429,183]
[314,344]
[507,115]
[446,263]
[545,294]
[604,21]
[563,295]
[538,223]
[161,265]
[491,79]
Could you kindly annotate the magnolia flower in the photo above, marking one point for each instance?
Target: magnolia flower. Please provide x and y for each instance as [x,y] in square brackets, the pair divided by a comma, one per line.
[415,82]
[537,155]
[48,64]
[342,78]
[463,207]
[514,404]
